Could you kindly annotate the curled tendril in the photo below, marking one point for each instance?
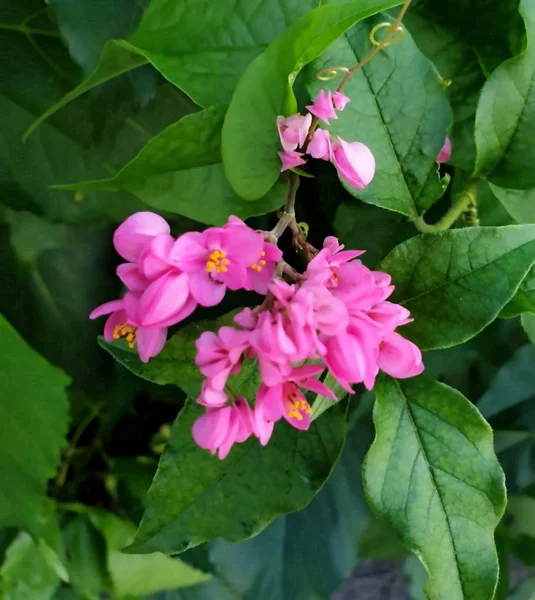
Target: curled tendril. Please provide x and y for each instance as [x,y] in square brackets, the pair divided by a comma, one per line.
[400,31]
[330,73]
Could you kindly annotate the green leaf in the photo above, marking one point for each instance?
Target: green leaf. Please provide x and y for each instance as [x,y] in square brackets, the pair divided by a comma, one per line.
[524,299]
[528,323]
[250,138]
[439,33]
[176,362]
[520,204]
[88,24]
[505,121]
[431,473]
[183,508]
[180,171]
[87,557]
[514,383]
[208,57]
[285,560]
[26,573]
[33,415]
[399,110]
[140,575]
[456,282]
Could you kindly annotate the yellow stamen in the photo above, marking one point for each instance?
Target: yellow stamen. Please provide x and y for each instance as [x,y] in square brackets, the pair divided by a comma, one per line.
[216,262]
[127,331]
[262,262]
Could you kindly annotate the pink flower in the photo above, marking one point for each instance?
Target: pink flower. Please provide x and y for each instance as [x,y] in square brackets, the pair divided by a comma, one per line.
[219,355]
[220,428]
[320,145]
[154,260]
[323,107]
[399,358]
[354,162]
[326,264]
[293,130]
[217,259]
[123,322]
[286,400]
[340,101]
[445,154]
[167,300]
[134,234]
[291,159]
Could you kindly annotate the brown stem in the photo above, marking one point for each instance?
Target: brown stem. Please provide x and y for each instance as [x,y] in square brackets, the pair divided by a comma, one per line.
[288,214]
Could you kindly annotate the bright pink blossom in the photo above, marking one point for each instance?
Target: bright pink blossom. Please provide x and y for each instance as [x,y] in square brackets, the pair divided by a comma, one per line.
[293,130]
[288,401]
[220,428]
[354,162]
[291,159]
[217,259]
[323,107]
[123,322]
[219,355]
[398,357]
[340,101]
[320,145]
[445,154]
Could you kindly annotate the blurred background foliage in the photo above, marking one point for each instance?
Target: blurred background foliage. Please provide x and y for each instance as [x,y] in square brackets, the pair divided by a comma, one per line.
[57,263]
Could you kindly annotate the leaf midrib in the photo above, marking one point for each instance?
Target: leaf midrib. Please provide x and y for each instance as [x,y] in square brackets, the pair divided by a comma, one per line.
[456,279]
[432,478]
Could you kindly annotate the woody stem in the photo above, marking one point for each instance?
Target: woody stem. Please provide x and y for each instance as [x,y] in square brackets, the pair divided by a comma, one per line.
[288,213]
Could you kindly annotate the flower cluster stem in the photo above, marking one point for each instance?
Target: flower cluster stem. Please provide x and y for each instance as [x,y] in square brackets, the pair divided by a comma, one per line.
[288,214]
[462,201]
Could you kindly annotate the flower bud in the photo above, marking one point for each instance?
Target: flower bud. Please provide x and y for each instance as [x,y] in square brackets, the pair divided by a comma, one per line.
[354,162]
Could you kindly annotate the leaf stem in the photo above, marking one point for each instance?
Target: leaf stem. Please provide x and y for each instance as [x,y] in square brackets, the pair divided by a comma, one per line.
[462,201]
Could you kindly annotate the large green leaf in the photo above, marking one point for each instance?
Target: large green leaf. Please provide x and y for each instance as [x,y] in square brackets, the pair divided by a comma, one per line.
[173,522]
[250,138]
[215,45]
[399,110]
[505,121]
[140,575]
[513,384]
[520,204]
[285,560]
[26,574]
[33,417]
[196,497]
[524,299]
[528,323]
[456,282]
[180,171]
[432,474]
[87,25]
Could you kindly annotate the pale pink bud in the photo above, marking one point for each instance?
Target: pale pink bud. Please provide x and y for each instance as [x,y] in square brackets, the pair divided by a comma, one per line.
[293,130]
[323,107]
[320,145]
[354,162]
[340,101]
[136,233]
[445,154]
[291,159]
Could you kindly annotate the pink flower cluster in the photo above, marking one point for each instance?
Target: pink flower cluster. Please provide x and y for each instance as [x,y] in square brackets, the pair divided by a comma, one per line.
[353,160]
[168,278]
[337,316]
